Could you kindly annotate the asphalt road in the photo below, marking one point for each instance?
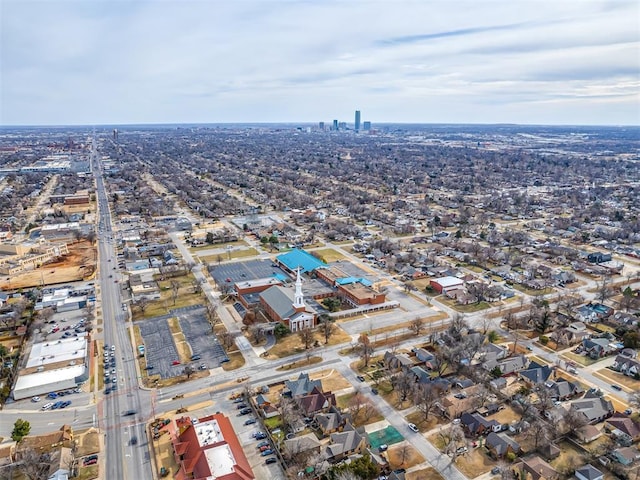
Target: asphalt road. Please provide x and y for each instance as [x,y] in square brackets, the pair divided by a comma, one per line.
[123,460]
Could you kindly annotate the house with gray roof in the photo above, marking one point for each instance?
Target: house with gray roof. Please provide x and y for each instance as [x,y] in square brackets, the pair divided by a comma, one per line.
[588,472]
[500,444]
[509,365]
[300,387]
[628,366]
[475,424]
[331,421]
[302,444]
[595,409]
[345,443]
[536,376]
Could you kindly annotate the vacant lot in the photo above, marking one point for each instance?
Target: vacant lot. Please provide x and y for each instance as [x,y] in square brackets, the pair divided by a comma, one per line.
[78,265]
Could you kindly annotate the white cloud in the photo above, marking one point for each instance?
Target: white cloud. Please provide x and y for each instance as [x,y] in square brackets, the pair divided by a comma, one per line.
[69,61]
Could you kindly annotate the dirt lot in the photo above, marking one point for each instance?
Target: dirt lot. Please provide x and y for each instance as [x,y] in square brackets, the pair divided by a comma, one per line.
[403,455]
[475,462]
[424,474]
[78,265]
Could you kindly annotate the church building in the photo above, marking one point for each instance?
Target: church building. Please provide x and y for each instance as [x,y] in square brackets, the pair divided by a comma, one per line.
[281,306]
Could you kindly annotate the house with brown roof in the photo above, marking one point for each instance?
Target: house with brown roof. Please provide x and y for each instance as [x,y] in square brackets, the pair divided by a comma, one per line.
[623,428]
[534,468]
[316,401]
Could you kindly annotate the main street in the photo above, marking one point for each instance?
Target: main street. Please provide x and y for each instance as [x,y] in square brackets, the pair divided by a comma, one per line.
[124,458]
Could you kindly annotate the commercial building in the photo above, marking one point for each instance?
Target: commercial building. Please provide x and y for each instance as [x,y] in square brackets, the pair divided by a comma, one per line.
[357,121]
[209,449]
[444,284]
[52,366]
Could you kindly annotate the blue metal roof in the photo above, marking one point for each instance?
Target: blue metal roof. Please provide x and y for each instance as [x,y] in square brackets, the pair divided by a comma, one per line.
[349,280]
[300,258]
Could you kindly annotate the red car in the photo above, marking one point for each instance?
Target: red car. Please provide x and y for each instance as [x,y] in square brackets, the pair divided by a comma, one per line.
[175,362]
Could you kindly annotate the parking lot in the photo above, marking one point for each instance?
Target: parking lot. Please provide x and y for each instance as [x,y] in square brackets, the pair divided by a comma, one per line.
[249,270]
[160,349]
[197,332]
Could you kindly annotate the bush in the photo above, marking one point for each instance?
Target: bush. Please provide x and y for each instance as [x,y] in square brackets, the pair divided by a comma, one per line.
[543,339]
[511,457]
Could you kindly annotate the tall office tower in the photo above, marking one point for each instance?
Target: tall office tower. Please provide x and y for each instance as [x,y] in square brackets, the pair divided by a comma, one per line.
[357,124]
[321,126]
[366,126]
[335,124]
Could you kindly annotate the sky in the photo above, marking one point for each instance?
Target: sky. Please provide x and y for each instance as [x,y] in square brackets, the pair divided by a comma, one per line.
[91,62]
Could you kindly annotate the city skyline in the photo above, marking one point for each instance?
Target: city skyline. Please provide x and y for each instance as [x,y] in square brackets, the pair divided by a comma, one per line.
[131,62]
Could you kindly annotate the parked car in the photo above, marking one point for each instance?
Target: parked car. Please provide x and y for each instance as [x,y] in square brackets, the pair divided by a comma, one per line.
[361,378]
[374,391]
[260,436]
[413,428]
[129,413]
[35,399]
[383,447]
[270,460]
[89,461]
[245,411]
[47,406]
[461,450]
[250,421]
[263,444]
[196,357]
[616,387]
[133,441]
[175,362]
[242,406]
[267,452]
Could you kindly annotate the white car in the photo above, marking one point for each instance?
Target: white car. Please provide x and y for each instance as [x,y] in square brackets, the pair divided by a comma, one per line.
[413,428]
[47,406]
[35,399]
[113,348]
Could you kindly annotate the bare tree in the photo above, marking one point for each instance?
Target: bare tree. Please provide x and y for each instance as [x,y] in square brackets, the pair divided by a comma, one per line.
[141,303]
[417,326]
[306,337]
[403,384]
[425,398]
[404,452]
[226,339]
[34,465]
[326,327]
[188,371]
[450,438]
[539,433]
[257,333]
[573,420]
[211,313]
[175,288]
[364,348]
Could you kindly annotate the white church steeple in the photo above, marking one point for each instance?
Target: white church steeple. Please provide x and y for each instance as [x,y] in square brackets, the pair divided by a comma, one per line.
[298,300]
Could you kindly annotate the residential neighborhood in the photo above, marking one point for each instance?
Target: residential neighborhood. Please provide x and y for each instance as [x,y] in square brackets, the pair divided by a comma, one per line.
[296,302]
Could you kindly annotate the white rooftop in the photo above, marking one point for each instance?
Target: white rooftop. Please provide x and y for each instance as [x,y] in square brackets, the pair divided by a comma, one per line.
[49,377]
[449,281]
[63,350]
[259,282]
[220,458]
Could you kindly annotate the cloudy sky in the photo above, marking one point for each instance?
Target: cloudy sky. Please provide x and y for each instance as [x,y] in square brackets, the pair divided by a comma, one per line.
[173,61]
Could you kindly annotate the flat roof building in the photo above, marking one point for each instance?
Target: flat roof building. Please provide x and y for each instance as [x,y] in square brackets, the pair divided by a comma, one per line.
[209,449]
